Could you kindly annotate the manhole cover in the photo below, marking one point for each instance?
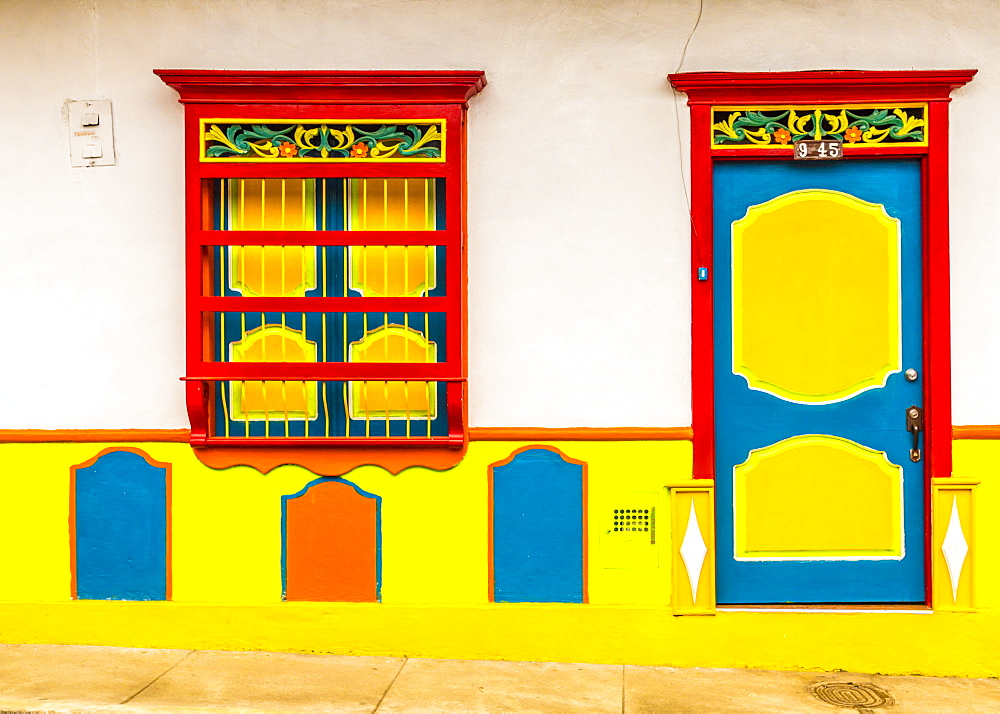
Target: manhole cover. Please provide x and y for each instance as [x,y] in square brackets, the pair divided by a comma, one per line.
[853,696]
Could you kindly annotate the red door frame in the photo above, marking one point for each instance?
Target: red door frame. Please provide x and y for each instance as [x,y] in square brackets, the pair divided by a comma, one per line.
[825,88]
[828,88]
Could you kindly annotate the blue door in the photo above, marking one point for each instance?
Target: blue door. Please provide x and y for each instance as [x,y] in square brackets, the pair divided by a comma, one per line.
[818,361]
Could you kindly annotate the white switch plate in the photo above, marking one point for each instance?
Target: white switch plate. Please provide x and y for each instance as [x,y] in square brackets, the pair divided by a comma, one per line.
[91,133]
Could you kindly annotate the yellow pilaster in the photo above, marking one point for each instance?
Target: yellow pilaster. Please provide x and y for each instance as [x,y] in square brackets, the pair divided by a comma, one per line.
[692,547]
[953,544]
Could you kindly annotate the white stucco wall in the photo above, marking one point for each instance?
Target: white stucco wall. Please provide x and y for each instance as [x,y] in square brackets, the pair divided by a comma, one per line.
[578,247]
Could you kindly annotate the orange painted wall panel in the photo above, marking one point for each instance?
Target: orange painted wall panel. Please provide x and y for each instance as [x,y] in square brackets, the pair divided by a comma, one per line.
[331,543]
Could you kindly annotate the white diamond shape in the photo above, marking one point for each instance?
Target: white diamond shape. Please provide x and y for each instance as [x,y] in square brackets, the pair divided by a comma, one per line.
[955,548]
[693,551]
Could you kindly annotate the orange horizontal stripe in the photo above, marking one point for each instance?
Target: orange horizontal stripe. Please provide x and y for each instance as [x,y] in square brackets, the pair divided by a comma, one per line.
[617,433]
[517,433]
[483,433]
[36,436]
[976,431]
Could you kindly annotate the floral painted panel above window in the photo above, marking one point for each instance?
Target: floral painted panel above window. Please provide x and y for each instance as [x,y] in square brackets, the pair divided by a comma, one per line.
[274,140]
[856,125]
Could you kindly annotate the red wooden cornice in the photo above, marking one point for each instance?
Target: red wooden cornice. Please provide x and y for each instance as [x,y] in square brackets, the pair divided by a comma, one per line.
[819,86]
[213,86]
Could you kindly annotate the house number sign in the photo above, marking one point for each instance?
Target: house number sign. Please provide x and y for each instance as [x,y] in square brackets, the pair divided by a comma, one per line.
[810,149]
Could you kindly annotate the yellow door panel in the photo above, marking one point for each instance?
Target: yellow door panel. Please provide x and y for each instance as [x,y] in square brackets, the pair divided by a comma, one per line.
[816,316]
[818,496]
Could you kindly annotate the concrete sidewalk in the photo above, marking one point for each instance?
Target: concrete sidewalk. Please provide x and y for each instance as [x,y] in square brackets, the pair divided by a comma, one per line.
[67,678]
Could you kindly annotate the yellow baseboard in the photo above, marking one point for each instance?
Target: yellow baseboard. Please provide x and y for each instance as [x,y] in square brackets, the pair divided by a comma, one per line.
[955,644]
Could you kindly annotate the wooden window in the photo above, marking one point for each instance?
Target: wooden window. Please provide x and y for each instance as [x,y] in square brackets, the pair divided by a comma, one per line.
[325,266]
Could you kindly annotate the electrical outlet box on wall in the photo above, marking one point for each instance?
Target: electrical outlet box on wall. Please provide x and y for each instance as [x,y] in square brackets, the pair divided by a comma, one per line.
[91,133]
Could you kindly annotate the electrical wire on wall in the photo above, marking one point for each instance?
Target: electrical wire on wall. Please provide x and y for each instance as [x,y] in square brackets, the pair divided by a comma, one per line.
[702,268]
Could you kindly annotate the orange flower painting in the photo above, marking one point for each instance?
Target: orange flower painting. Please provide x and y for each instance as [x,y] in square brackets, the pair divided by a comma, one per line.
[782,136]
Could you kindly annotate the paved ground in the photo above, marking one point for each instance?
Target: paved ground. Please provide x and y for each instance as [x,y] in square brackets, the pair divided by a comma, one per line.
[71,678]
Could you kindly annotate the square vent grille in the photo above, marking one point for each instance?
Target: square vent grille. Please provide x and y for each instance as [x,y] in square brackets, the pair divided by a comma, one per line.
[635,520]
[628,531]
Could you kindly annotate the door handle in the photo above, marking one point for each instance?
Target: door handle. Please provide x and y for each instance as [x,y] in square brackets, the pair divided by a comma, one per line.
[914,425]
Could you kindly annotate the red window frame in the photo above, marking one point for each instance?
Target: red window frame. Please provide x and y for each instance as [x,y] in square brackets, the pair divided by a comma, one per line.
[393,97]
[706,90]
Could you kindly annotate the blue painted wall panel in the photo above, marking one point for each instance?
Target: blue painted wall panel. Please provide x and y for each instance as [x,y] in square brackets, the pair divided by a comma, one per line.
[538,529]
[121,529]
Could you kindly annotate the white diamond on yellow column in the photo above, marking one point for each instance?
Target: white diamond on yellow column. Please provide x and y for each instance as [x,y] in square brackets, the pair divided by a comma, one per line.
[693,551]
[954,548]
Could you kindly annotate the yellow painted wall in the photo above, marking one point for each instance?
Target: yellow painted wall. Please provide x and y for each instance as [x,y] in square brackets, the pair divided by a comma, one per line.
[227,582]
[940,644]
[227,523]
[34,519]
